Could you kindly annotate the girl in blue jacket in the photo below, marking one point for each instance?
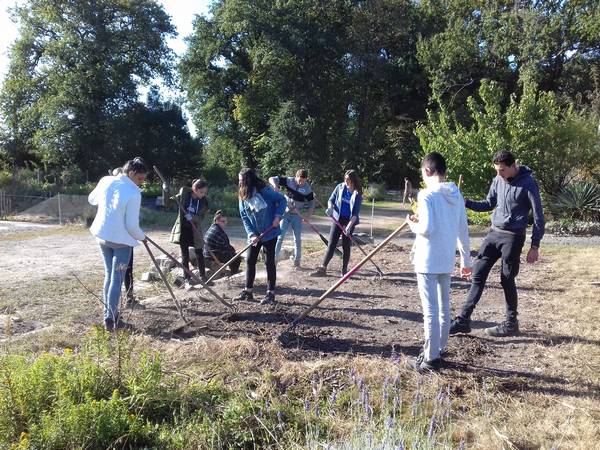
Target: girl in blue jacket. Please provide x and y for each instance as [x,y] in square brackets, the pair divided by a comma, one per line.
[261,209]
[344,206]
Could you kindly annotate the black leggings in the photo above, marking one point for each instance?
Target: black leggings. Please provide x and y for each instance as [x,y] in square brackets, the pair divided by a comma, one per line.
[270,263]
[186,241]
[334,237]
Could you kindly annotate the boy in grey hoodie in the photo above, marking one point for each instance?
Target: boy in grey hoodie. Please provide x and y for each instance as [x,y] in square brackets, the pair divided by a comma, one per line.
[440,226]
[513,193]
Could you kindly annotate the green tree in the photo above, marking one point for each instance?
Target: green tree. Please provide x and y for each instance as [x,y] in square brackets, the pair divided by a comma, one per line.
[74,69]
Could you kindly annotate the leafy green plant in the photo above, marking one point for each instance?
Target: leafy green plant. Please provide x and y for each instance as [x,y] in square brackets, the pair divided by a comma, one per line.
[578,201]
[571,227]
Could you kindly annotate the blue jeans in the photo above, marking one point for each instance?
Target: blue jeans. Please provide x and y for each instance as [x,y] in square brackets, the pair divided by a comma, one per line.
[294,221]
[116,261]
[434,290]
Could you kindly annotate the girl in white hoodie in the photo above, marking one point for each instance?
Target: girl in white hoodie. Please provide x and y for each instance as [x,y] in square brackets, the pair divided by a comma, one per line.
[117,229]
[440,226]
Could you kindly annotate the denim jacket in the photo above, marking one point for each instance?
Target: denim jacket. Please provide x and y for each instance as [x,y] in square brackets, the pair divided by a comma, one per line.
[257,221]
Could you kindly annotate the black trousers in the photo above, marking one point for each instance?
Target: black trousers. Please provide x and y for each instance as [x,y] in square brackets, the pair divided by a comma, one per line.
[186,241]
[270,263]
[506,247]
[334,237]
[234,266]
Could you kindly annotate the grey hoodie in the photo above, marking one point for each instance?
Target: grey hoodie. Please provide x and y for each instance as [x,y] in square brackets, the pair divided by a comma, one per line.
[512,201]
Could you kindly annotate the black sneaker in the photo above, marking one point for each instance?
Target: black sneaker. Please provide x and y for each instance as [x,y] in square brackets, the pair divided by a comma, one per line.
[422,366]
[460,325]
[110,324]
[344,271]
[244,296]
[319,272]
[506,328]
[268,298]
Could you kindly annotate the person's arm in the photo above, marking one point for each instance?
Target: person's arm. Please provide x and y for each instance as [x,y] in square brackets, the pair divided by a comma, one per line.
[490,201]
[333,197]
[94,196]
[538,222]
[132,217]
[246,221]
[274,181]
[280,204]
[310,204]
[355,212]
[421,223]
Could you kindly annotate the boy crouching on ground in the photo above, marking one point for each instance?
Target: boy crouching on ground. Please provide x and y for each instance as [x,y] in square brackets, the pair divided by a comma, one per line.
[440,226]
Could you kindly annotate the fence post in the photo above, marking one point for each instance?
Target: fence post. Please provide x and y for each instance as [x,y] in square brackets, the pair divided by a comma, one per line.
[372,213]
[59,211]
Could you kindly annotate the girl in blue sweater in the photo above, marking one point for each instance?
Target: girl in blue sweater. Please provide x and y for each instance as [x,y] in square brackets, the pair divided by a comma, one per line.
[261,209]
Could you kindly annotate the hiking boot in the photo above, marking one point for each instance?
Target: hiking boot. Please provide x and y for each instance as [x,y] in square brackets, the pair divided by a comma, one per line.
[268,298]
[420,365]
[319,272]
[244,296]
[506,328]
[460,325]
[110,324]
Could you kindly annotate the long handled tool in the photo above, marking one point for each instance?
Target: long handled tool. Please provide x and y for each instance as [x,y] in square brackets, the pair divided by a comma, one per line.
[197,230]
[162,276]
[348,275]
[323,238]
[190,273]
[349,236]
[238,254]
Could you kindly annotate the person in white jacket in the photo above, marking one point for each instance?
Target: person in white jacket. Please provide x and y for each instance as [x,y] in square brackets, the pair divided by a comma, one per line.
[440,225]
[117,229]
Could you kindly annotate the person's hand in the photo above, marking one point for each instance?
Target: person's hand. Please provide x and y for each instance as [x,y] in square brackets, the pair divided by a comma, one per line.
[145,240]
[466,272]
[188,217]
[532,255]
[329,212]
[414,218]
[254,240]
[165,187]
[276,221]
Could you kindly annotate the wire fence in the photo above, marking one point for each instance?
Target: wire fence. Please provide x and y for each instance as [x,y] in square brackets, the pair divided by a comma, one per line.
[12,204]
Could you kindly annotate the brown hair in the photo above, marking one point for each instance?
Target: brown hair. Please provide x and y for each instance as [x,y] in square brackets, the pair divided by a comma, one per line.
[249,181]
[135,165]
[199,183]
[354,179]
[302,173]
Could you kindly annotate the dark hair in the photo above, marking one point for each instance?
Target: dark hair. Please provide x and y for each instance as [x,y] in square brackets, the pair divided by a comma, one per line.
[504,157]
[248,183]
[435,163]
[302,173]
[135,165]
[355,180]
[218,215]
[199,183]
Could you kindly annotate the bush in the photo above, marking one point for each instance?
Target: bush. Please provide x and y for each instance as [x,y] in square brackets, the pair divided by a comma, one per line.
[374,191]
[571,227]
[579,201]
[479,219]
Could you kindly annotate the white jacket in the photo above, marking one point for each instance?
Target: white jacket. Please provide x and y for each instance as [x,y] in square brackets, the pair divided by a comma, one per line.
[442,226]
[117,220]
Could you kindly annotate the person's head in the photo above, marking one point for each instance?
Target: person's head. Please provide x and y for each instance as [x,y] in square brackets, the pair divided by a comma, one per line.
[433,167]
[505,164]
[220,218]
[199,188]
[136,170]
[352,181]
[248,181]
[301,176]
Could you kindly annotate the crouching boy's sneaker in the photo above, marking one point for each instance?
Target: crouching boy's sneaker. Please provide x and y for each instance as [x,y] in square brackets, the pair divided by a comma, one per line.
[460,325]
[506,328]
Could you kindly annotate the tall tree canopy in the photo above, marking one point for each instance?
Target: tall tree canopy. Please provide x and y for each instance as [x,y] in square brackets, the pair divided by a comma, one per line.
[74,69]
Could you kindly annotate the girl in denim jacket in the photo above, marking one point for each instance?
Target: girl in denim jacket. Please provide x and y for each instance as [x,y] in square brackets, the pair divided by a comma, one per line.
[261,209]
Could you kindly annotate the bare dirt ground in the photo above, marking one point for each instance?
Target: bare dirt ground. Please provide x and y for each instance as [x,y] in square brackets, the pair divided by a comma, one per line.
[367,315]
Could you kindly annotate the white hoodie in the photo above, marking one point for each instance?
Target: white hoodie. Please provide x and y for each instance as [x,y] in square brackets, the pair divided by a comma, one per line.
[442,226]
[117,219]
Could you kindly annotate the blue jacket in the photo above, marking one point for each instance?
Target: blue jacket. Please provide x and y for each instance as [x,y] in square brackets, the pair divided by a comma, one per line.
[512,201]
[257,221]
[336,199]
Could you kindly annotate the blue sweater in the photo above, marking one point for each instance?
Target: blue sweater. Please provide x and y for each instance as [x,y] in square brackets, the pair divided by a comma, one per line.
[512,201]
[255,222]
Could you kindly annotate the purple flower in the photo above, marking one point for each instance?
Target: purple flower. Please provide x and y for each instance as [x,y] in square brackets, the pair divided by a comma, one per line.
[333,397]
[306,405]
[431,428]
